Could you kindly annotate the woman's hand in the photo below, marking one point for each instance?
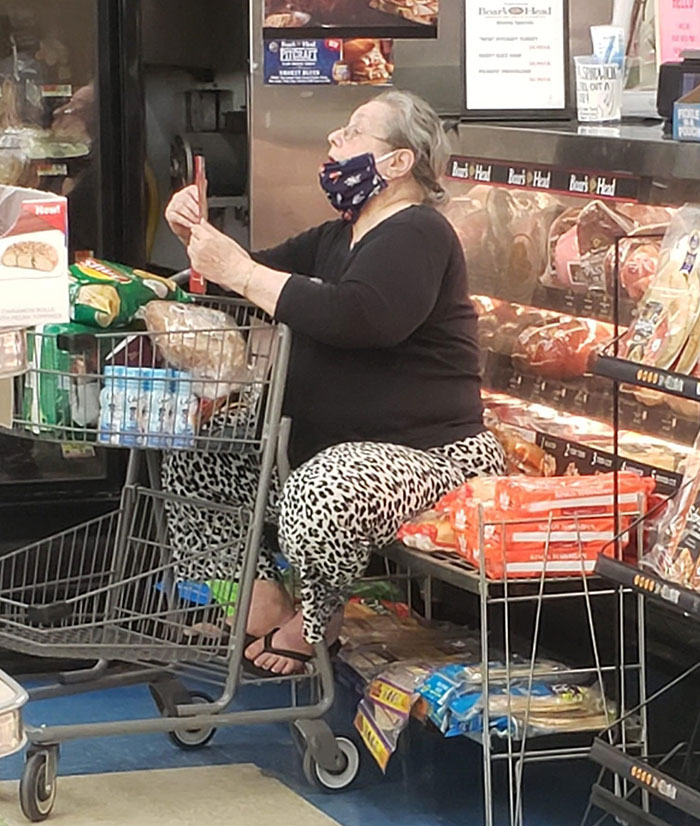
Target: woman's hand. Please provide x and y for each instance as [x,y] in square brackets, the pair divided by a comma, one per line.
[218,258]
[182,213]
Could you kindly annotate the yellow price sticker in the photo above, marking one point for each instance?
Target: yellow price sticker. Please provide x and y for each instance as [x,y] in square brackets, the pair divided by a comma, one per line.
[375,745]
[391,697]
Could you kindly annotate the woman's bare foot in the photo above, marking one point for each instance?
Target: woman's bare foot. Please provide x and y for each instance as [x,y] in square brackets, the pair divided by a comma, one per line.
[270,607]
[290,637]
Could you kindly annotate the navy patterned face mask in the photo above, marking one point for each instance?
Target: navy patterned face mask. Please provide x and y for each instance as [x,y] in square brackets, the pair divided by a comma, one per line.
[351,183]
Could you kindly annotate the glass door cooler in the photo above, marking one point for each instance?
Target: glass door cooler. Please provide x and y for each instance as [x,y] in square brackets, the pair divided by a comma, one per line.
[71,123]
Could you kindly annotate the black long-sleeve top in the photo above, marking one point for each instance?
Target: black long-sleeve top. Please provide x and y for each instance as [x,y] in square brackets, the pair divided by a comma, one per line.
[385,337]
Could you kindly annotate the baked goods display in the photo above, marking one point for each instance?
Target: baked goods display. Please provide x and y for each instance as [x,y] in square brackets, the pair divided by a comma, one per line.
[668,312]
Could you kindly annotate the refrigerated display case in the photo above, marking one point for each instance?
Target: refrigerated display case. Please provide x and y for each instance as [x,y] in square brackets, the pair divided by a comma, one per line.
[542,214]
[71,123]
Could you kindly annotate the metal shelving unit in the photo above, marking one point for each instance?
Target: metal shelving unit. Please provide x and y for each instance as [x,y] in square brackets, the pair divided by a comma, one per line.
[620,672]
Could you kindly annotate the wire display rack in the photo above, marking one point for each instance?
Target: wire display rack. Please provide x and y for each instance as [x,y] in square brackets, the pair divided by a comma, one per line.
[514,618]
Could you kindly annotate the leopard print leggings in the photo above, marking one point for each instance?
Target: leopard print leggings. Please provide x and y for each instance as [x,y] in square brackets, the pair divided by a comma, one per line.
[330,513]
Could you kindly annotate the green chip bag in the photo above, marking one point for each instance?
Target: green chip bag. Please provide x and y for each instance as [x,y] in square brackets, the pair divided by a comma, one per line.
[107,295]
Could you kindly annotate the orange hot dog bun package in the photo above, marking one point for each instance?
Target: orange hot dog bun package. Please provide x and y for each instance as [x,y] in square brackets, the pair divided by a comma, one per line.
[521,525]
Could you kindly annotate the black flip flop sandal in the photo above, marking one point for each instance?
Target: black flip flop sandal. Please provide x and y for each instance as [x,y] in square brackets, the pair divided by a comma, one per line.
[252,670]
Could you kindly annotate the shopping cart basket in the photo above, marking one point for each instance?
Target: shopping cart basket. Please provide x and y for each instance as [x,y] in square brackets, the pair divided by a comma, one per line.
[112,590]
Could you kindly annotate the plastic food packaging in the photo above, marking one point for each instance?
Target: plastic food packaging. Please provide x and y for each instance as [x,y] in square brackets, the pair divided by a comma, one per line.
[146,407]
[522,454]
[202,341]
[518,229]
[561,349]
[508,529]
[598,228]
[569,496]
[61,389]
[429,531]
[107,295]
[668,312]
[676,553]
[639,260]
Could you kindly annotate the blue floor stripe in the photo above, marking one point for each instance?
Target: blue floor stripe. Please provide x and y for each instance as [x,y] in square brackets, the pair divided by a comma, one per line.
[430,781]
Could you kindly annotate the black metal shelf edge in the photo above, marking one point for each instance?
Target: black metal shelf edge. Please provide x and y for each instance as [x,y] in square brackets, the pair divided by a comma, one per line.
[646,777]
[664,381]
[445,567]
[623,810]
[650,585]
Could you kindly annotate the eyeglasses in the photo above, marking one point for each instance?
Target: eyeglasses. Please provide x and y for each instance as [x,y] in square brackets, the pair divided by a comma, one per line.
[352,131]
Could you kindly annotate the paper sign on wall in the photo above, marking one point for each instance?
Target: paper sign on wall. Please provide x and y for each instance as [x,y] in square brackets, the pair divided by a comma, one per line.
[515,55]
[678,27]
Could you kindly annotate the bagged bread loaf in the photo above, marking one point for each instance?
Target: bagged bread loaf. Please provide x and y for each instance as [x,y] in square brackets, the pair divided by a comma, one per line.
[203,342]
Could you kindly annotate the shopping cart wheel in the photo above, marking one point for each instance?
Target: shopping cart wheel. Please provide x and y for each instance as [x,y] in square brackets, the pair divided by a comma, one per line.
[37,788]
[194,738]
[333,781]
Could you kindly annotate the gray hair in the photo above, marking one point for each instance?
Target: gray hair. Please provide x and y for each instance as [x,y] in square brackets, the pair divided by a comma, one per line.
[417,126]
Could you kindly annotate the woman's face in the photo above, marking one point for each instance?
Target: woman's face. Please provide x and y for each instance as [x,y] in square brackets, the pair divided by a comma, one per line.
[366,131]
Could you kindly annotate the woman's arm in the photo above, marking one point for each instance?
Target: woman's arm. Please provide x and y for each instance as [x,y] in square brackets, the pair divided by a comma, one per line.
[224,262]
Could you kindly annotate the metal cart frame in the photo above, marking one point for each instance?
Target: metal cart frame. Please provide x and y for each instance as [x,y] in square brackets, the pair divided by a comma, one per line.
[46,617]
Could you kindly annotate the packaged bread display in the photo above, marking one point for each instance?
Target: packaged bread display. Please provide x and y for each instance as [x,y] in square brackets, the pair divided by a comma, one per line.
[676,552]
[202,341]
[668,312]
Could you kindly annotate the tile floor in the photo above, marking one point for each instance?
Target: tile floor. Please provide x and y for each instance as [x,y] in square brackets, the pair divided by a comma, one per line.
[430,782]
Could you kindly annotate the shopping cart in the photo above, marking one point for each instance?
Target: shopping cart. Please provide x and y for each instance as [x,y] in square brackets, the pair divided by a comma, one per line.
[112,590]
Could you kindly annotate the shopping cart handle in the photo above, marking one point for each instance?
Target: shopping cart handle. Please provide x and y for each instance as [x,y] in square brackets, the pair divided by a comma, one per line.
[181,277]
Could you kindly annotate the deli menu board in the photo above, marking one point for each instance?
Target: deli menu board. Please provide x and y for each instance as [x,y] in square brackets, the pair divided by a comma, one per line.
[350,18]
[516,56]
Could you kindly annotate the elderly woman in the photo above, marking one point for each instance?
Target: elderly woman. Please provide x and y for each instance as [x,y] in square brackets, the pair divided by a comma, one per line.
[383,388]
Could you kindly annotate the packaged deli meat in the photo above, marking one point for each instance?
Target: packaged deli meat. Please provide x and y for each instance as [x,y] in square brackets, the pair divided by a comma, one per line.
[639,260]
[519,225]
[598,228]
[561,349]
[500,323]
[668,312]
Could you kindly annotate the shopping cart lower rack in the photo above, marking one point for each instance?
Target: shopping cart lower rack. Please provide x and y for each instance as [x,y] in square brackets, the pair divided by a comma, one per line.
[116,591]
[111,591]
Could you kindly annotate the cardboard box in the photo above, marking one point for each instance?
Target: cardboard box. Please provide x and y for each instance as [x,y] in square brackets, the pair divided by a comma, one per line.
[686,117]
[33,258]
